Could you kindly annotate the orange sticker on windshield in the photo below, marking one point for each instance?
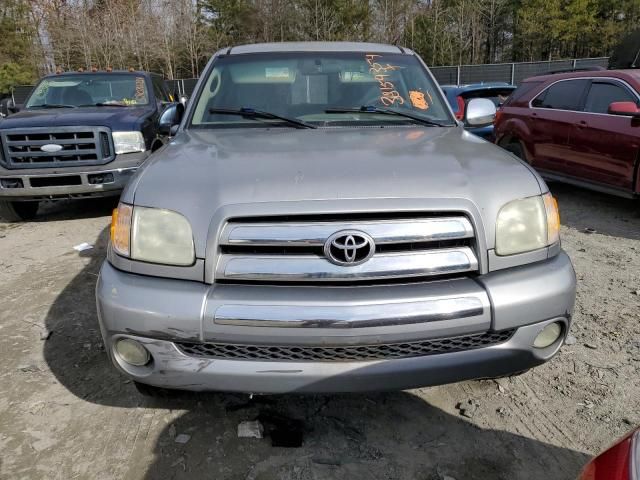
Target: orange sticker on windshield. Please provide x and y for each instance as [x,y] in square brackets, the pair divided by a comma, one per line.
[418,100]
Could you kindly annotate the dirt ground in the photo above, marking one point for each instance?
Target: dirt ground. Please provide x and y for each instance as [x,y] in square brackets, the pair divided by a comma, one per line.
[65,413]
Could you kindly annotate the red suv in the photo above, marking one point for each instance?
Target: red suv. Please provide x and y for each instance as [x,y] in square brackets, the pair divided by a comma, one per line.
[579,127]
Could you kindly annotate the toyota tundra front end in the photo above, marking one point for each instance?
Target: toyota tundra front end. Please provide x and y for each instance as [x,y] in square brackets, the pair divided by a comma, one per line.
[321,223]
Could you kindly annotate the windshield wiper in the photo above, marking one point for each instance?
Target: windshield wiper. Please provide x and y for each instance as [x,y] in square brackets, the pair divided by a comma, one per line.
[103,104]
[259,114]
[388,111]
[52,105]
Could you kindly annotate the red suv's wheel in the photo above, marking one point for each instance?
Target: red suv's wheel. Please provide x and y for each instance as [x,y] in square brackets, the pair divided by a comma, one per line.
[515,147]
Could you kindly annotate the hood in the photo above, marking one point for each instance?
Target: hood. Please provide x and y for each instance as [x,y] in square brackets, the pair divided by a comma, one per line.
[203,172]
[116,118]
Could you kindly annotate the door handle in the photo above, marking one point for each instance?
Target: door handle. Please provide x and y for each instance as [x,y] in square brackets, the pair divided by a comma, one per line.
[582,124]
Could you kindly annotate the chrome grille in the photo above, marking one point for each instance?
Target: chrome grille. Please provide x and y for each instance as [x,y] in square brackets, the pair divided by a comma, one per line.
[293,250]
[344,353]
[22,148]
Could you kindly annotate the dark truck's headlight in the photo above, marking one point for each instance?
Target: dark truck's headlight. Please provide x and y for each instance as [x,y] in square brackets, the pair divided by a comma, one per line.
[152,235]
[128,142]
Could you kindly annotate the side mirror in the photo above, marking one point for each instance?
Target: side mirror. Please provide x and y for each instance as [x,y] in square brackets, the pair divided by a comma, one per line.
[480,112]
[170,117]
[624,108]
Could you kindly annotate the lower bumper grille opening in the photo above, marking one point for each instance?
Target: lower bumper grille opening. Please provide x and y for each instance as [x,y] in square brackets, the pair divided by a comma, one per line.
[56,181]
[344,353]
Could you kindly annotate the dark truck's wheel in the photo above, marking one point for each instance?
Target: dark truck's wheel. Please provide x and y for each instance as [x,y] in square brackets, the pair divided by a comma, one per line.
[18,211]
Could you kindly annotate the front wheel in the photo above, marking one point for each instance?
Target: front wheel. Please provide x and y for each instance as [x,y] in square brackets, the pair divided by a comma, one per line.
[18,211]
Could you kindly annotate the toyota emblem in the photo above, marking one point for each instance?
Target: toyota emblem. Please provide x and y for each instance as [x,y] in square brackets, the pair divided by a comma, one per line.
[349,248]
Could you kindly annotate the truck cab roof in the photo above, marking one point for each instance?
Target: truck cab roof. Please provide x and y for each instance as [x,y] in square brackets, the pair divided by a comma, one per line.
[102,72]
[315,47]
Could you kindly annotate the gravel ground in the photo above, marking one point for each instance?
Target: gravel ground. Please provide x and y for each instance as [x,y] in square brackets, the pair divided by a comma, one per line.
[65,413]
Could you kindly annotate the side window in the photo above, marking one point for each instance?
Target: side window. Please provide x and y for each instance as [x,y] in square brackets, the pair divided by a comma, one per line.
[520,92]
[564,95]
[159,89]
[602,94]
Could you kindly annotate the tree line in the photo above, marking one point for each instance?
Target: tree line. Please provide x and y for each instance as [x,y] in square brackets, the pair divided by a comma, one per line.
[176,37]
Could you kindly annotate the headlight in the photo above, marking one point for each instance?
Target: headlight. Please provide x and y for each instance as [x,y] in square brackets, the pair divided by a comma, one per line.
[553,218]
[527,224]
[128,142]
[152,235]
[121,229]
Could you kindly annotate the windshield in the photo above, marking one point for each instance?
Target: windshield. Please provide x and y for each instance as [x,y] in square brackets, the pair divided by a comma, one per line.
[84,90]
[311,86]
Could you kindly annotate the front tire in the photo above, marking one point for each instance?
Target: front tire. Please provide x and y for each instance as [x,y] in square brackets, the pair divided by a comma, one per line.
[516,148]
[18,211]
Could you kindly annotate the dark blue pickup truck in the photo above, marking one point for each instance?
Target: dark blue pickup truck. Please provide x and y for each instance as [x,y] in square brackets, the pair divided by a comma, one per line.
[81,134]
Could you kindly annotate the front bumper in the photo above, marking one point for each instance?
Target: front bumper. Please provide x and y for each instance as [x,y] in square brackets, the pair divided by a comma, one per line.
[70,182]
[162,313]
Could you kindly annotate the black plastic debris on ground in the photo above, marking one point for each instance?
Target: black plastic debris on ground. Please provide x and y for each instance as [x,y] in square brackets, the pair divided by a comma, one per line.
[283,431]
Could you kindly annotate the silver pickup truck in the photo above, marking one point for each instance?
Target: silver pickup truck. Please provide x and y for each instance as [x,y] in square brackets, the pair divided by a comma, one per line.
[321,223]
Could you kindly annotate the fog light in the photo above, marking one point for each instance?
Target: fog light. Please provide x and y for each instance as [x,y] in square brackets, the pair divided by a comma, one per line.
[132,352]
[11,183]
[548,335]
[98,178]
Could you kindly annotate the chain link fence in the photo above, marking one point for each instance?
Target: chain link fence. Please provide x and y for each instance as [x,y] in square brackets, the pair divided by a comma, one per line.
[182,86]
[20,93]
[513,73]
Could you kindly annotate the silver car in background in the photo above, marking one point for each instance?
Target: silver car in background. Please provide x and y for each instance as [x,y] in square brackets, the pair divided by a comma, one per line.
[321,223]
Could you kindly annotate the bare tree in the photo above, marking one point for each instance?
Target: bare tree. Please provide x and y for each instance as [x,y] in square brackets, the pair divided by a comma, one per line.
[176,37]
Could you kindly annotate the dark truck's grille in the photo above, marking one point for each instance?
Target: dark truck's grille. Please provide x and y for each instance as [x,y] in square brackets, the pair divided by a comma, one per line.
[22,148]
[344,353]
